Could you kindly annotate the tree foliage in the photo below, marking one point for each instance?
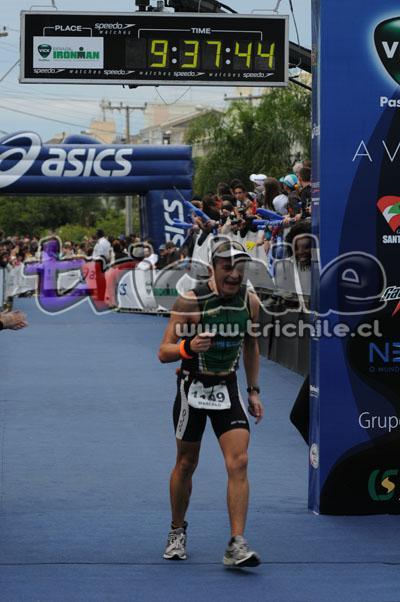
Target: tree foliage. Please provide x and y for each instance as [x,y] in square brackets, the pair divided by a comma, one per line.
[72,218]
[113,224]
[31,214]
[247,139]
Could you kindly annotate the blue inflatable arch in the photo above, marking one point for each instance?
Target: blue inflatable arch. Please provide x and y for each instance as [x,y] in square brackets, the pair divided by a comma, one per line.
[82,165]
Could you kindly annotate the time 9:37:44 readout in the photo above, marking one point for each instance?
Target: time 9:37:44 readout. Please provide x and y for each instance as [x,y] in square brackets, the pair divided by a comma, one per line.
[212,54]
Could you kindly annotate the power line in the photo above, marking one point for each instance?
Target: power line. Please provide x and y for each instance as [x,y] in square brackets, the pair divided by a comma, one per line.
[30,114]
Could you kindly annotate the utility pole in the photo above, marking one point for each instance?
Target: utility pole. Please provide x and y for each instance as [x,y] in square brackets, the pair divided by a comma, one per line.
[250,97]
[127,109]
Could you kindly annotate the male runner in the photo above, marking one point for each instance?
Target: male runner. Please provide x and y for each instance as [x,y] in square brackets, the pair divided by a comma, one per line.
[207,386]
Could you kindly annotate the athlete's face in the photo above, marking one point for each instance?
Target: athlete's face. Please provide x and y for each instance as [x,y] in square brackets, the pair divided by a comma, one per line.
[228,276]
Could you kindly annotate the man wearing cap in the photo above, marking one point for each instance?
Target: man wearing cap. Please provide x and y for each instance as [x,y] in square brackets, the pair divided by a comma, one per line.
[207,330]
[258,180]
[290,183]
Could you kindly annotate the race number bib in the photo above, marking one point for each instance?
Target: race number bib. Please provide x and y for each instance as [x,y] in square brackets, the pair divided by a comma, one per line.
[208,398]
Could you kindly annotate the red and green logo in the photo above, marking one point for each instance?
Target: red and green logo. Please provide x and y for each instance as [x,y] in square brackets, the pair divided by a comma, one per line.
[389,206]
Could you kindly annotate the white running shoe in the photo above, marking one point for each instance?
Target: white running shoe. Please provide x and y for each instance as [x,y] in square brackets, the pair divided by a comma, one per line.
[176,544]
[238,554]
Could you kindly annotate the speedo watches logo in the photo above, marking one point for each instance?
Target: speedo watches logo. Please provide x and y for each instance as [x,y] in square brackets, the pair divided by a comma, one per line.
[17,160]
[376,482]
[44,50]
[387,44]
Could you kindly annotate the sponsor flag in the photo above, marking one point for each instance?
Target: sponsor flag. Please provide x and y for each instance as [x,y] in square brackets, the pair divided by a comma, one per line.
[390,209]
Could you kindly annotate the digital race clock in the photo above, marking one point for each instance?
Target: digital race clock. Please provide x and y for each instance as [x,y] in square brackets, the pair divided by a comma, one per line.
[154,48]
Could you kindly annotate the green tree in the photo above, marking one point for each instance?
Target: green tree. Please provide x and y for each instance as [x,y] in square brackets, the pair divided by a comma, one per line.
[266,138]
[32,214]
[72,232]
[113,223]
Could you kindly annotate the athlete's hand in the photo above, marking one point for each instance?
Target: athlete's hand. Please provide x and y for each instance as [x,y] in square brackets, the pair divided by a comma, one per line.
[256,407]
[13,320]
[202,342]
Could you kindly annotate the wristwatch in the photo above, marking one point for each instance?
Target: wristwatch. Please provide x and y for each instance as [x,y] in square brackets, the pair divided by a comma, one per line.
[251,389]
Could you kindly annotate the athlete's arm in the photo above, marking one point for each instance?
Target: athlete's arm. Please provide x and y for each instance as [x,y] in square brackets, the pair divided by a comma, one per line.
[251,361]
[184,312]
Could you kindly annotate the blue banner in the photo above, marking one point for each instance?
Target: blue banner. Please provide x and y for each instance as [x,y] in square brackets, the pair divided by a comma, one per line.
[354,381]
[29,167]
[162,207]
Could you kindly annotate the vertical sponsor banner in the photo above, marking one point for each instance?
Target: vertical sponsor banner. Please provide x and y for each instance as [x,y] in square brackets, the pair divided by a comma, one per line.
[162,208]
[355,392]
[313,481]
[2,287]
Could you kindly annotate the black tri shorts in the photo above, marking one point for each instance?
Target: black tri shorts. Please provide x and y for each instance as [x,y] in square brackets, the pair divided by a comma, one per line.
[190,422]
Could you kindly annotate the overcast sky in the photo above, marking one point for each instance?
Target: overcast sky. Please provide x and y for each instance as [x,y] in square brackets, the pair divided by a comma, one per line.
[79,104]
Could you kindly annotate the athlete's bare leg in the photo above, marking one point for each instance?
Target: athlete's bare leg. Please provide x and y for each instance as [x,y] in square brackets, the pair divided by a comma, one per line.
[234,445]
[181,479]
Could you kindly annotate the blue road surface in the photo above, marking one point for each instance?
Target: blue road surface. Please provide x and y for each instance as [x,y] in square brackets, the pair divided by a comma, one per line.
[87,446]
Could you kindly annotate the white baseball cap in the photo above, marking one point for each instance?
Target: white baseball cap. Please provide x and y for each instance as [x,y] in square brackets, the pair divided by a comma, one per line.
[227,249]
[258,178]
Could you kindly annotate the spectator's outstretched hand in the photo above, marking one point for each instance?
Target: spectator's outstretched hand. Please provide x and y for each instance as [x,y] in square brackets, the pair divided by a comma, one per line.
[13,320]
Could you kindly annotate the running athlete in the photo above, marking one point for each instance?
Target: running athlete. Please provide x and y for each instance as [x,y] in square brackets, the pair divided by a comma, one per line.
[220,312]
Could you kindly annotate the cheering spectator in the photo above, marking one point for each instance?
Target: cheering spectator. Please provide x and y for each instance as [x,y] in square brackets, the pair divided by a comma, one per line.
[305,195]
[275,199]
[162,257]
[241,195]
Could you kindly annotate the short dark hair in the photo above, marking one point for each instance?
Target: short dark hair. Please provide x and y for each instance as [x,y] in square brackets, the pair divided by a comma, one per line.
[301,228]
[235,182]
[222,189]
[227,205]
[239,185]
[305,174]
[228,197]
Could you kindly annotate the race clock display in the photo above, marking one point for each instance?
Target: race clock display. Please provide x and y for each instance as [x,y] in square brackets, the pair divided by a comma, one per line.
[213,55]
[154,48]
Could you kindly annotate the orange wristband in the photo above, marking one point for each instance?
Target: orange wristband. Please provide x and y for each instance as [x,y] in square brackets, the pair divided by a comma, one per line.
[182,351]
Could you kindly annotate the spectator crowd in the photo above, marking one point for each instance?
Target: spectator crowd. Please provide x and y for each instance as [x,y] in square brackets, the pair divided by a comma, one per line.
[273,212]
